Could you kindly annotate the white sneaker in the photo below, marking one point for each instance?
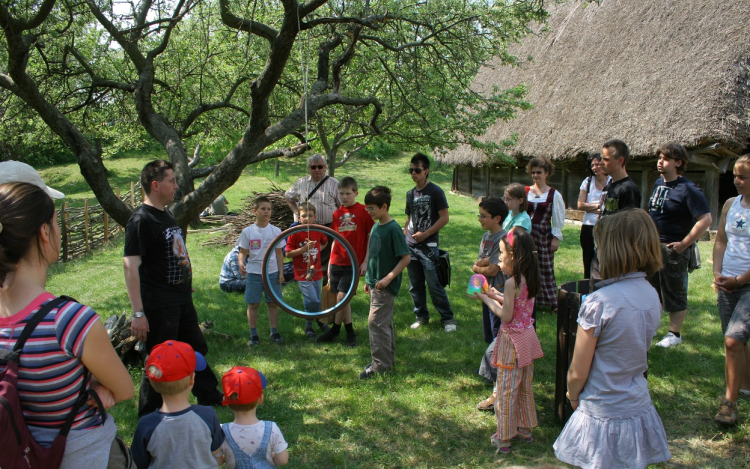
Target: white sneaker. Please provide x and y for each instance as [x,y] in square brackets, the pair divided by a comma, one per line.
[450,328]
[418,324]
[669,340]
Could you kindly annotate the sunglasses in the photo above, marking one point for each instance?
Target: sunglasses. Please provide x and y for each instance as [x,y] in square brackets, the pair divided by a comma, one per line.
[415,170]
[317,166]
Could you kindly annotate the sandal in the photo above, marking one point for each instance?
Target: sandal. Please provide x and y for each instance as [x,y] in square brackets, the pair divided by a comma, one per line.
[525,437]
[487,404]
[501,447]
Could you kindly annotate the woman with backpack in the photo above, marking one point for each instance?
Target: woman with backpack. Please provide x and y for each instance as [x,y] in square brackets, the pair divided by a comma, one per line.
[590,201]
[68,354]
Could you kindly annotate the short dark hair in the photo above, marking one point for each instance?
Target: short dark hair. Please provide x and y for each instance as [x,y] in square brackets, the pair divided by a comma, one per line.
[421,159]
[154,171]
[378,195]
[307,206]
[348,183]
[541,162]
[618,149]
[674,151]
[591,158]
[495,206]
[260,200]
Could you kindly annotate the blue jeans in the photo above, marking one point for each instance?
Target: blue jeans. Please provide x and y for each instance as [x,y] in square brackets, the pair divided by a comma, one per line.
[422,270]
[310,294]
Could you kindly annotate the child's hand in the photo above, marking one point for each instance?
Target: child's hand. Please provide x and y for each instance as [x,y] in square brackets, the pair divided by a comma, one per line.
[367,288]
[383,283]
[281,278]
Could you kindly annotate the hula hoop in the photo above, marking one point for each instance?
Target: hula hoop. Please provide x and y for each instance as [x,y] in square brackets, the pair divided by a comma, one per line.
[330,233]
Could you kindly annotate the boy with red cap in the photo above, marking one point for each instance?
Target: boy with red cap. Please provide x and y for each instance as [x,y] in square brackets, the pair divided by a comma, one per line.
[178,434]
[250,443]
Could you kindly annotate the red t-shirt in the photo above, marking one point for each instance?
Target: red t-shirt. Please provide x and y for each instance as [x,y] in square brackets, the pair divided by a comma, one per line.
[296,241]
[354,223]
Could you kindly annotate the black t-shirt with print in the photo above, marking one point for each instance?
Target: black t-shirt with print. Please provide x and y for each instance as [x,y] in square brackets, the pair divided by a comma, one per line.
[620,195]
[674,207]
[423,208]
[165,271]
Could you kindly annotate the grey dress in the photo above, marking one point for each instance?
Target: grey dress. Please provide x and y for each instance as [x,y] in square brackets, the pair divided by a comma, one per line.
[616,425]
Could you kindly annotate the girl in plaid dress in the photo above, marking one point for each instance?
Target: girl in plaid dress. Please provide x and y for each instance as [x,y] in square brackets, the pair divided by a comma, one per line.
[517,345]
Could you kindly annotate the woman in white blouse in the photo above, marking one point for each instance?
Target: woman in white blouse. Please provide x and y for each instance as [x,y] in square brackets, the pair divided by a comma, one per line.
[547,212]
[590,201]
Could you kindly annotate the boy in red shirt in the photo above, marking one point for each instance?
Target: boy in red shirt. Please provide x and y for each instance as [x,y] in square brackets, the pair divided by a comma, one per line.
[304,248]
[351,221]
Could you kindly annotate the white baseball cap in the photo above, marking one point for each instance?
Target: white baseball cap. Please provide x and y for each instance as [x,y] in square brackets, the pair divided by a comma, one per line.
[15,171]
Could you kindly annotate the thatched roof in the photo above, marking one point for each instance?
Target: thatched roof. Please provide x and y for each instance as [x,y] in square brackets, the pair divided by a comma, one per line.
[645,71]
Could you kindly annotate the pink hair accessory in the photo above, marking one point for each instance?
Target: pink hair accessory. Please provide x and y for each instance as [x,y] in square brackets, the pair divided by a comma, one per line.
[509,237]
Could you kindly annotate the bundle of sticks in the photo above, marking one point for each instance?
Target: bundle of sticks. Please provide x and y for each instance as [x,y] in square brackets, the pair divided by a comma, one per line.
[282,217]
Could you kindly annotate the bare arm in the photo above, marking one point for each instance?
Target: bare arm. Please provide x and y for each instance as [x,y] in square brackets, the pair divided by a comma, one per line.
[483,266]
[281,458]
[720,247]
[138,326]
[580,367]
[241,260]
[106,367]
[700,227]
[363,265]
[586,206]
[385,281]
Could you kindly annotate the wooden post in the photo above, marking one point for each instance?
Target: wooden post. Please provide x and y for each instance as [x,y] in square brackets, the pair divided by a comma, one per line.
[565,191]
[277,168]
[106,226]
[86,224]
[132,194]
[712,195]
[64,229]
[471,180]
[645,191]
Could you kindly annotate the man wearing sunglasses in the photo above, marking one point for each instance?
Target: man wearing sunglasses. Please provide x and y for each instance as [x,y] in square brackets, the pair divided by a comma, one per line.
[427,214]
[317,188]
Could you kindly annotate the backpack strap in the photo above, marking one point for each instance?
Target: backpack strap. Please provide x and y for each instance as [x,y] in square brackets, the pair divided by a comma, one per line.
[35,320]
[84,393]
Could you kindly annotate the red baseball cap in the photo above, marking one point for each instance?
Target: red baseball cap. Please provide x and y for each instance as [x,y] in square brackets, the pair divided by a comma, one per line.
[247,383]
[175,360]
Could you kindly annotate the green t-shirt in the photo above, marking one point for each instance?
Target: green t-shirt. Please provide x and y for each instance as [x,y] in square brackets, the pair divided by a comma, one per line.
[387,245]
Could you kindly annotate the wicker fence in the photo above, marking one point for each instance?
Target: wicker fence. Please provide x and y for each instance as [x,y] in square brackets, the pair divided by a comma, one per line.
[85,228]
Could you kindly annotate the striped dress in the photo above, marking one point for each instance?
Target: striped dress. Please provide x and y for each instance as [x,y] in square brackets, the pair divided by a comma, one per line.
[50,372]
[517,348]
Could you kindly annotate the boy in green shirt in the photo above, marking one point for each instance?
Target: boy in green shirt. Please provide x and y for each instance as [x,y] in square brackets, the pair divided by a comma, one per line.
[389,255]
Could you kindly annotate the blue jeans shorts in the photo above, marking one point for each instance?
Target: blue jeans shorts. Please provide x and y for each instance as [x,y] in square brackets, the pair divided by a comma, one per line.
[254,288]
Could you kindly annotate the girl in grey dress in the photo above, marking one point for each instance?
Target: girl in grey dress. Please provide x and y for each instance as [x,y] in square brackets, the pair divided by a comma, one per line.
[615,424]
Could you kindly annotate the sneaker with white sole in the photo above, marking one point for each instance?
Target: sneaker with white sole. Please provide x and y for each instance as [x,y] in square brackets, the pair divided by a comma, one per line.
[450,328]
[669,340]
[419,323]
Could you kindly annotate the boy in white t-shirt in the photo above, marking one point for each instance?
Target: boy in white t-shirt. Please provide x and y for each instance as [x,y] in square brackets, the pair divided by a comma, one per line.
[249,442]
[254,242]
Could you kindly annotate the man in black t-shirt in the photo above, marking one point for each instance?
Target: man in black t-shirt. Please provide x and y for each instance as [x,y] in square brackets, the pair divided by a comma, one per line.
[427,214]
[681,214]
[621,192]
[158,278]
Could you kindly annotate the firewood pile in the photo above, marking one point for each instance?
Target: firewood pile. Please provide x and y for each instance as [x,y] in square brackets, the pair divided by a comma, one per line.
[282,217]
[132,352]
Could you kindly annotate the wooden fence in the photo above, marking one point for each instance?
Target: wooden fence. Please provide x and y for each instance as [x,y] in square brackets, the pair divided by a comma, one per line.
[85,228]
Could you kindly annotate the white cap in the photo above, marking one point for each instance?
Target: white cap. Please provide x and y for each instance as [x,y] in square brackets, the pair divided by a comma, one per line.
[15,171]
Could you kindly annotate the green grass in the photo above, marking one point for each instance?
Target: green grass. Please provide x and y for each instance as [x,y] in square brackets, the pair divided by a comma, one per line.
[423,414]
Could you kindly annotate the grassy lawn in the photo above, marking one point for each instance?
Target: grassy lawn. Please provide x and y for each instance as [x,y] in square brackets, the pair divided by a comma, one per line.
[423,414]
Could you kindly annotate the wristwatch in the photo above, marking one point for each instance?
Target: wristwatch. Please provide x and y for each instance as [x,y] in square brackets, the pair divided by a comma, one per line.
[138,314]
